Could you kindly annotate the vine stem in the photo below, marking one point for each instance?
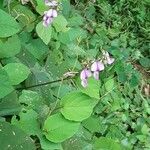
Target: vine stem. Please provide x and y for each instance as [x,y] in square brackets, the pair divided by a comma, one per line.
[47,83]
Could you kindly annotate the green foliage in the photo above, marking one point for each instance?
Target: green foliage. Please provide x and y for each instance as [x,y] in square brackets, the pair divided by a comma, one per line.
[17,72]
[11,47]
[57,128]
[93,88]
[5,85]
[44,33]
[76,106]
[13,138]
[106,144]
[60,23]
[42,102]
[8,25]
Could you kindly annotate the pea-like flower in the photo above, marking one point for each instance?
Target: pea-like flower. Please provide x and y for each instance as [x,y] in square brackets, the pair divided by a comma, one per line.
[51,3]
[84,75]
[96,67]
[49,17]
[107,59]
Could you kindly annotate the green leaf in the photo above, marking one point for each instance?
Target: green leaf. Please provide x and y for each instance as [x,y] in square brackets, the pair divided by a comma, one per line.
[30,98]
[41,7]
[104,143]
[92,89]
[77,106]
[58,129]
[9,105]
[48,145]
[109,85]
[74,50]
[26,19]
[44,32]
[5,85]
[13,138]
[17,72]
[37,48]
[28,122]
[71,35]
[60,23]
[93,124]
[80,141]
[145,129]
[8,26]
[10,48]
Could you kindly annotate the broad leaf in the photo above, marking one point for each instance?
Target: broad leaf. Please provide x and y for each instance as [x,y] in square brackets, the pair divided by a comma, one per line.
[60,23]
[9,105]
[44,32]
[30,98]
[104,143]
[77,106]
[28,122]
[93,124]
[58,129]
[17,72]
[37,48]
[10,48]
[5,85]
[92,89]
[13,138]
[8,26]
[109,85]
[41,7]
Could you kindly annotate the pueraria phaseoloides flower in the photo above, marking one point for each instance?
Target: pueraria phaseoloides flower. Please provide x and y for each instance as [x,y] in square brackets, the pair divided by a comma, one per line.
[96,67]
[84,75]
[49,17]
[51,13]
[107,59]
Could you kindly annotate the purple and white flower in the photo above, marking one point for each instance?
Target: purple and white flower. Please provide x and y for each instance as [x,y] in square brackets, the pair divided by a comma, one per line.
[49,17]
[84,75]
[96,67]
[107,59]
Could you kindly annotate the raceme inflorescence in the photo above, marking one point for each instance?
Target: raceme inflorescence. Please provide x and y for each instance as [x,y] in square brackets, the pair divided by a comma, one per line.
[51,13]
[95,69]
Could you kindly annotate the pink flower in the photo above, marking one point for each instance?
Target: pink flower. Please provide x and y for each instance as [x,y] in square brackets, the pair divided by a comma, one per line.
[49,17]
[84,75]
[96,67]
[107,59]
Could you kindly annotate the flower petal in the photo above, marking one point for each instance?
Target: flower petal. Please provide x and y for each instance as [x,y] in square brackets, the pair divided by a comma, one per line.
[49,13]
[48,21]
[84,83]
[97,66]
[94,66]
[96,75]
[100,66]
[110,60]
[54,14]
[85,73]
[88,73]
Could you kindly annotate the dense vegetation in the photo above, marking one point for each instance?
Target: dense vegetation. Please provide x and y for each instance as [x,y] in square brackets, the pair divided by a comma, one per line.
[74,75]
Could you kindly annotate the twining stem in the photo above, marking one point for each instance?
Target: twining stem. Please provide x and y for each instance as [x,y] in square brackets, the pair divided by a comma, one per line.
[46,83]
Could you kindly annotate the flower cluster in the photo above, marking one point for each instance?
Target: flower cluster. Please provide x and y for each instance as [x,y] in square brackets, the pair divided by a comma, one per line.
[96,67]
[51,13]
